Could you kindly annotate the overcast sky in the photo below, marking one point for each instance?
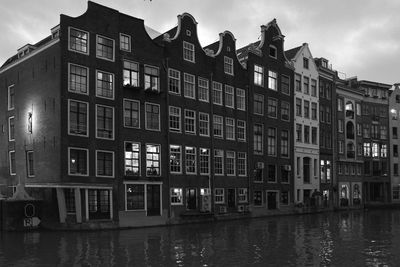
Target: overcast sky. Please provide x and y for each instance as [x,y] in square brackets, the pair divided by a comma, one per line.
[358,37]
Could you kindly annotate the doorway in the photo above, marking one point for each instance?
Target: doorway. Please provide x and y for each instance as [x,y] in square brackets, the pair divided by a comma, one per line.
[272,200]
[191,196]
[153,200]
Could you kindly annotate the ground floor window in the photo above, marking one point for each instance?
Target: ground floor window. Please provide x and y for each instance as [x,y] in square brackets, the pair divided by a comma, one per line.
[176,196]
[396,192]
[242,195]
[143,197]
[219,196]
[257,196]
[135,197]
[99,203]
[285,198]
[69,194]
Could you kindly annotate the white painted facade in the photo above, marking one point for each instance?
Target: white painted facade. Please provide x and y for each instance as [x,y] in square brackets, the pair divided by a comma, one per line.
[306,126]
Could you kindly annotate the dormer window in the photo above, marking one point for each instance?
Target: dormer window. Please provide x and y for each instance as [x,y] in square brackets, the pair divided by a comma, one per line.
[324,64]
[272,51]
[125,42]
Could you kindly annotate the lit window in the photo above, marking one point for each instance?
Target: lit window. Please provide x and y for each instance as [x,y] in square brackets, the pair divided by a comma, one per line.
[217,93]
[375,150]
[190,121]
[131,74]
[229,96]
[240,99]
[78,41]
[131,113]
[153,160]
[204,124]
[189,86]
[105,84]
[152,117]
[174,119]
[11,97]
[190,160]
[175,159]
[188,52]
[132,159]
[104,163]
[228,65]
[125,42]
[78,117]
[176,196]
[258,75]
[105,48]
[104,122]
[135,197]
[78,79]
[218,162]
[203,89]
[272,80]
[151,78]
[78,159]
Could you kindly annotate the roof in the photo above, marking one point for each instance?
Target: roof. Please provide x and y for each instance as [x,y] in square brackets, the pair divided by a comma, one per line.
[291,53]
[214,47]
[171,34]
[244,51]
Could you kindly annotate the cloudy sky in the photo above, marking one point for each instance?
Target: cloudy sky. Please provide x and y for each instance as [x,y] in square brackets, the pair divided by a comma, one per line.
[359,37]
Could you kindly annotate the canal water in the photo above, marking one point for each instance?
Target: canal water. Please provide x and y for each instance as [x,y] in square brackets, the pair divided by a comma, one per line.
[356,238]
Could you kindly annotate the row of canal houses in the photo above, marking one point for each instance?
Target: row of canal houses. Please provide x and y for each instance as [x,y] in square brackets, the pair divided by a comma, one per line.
[108,122]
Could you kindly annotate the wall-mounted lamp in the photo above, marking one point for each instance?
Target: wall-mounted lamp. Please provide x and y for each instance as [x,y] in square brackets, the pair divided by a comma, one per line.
[30,122]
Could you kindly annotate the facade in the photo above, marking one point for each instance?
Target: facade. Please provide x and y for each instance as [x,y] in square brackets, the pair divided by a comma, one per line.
[306,125]
[394,126]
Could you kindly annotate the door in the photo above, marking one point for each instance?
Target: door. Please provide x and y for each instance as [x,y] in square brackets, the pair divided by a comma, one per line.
[191,195]
[271,200]
[231,198]
[153,200]
[99,204]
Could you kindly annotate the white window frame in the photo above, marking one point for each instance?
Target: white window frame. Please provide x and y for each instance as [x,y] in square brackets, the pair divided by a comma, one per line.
[144,200]
[87,41]
[87,118]
[174,75]
[113,124]
[11,171]
[113,41]
[87,161]
[243,126]
[171,113]
[193,119]
[9,107]
[203,86]
[217,90]
[228,66]
[229,95]
[145,117]
[134,101]
[186,82]
[159,160]
[220,194]
[230,155]
[208,161]
[240,99]
[28,164]
[243,192]
[113,164]
[230,135]
[129,42]
[222,162]
[221,123]
[9,129]
[180,159]
[189,47]
[195,159]
[242,156]
[87,79]
[180,196]
[113,84]
[139,158]
[271,77]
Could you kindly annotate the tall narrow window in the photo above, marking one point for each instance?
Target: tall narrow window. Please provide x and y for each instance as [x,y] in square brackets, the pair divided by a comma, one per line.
[174,81]
[297,83]
[258,104]
[131,113]
[313,87]
[78,117]
[272,107]
[78,161]
[78,79]
[218,161]
[105,84]
[230,128]
[203,90]
[190,160]
[189,87]
[153,160]
[306,134]
[131,74]
[218,126]
[11,129]
[190,121]
[229,96]
[105,48]
[242,163]
[230,163]
[285,111]
[240,99]
[217,93]
[175,159]
[125,42]
[306,109]
[151,78]
[204,124]
[271,176]
[152,117]
[306,169]
[306,85]
[299,132]
[258,75]
[258,139]
[284,143]
[78,41]
[174,119]
[188,52]
[104,122]
[314,135]
[241,130]
[272,80]
[314,111]
[204,161]
[104,163]
[11,163]
[132,159]
[228,65]
[29,164]
[285,84]
[298,107]
[271,141]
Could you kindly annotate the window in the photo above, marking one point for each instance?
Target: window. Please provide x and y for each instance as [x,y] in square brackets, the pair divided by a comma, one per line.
[285,111]
[341,149]
[299,132]
[78,160]
[374,131]
[271,177]
[203,89]
[285,84]
[258,172]
[78,41]
[328,114]
[242,195]
[190,160]
[321,90]
[359,149]
[396,169]
[230,163]
[153,160]
[306,169]
[78,118]
[366,130]
[383,132]
[151,78]
[394,132]
[242,163]
[258,104]
[105,84]
[367,150]
[314,134]
[131,74]
[217,93]
[69,194]
[135,197]
[284,143]
[190,121]
[314,111]
[258,139]
[305,63]
[174,81]
[125,42]
[189,86]
[132,159]
[174,119]
[12,164]
[176,196]
[131,113]
[228,65]
[285,173]
[204,159]
[77,81]
[175,159]
[298,107]
[241,130]
[328,91]
[104,122]
[152,117]
[257,198]
[272,107]
[258,75]
[271,141]
[105,48]
[383,151]
[285,198]
[219,196]
[358,109]
[306,109]
[340,126]
[30,170]
[240,99]
[272,80]
[313,87]
[230,128]
[218,126]
[306,85]
[218,162]
[272,51]
[297,82]
[375,150]
[204,124]
[11,97]
[229,96]
[321,113]
[188,52]
[306,134]
[340,104]
[104,163]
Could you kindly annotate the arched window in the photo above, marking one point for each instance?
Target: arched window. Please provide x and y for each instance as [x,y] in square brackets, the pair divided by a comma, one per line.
[350,130]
